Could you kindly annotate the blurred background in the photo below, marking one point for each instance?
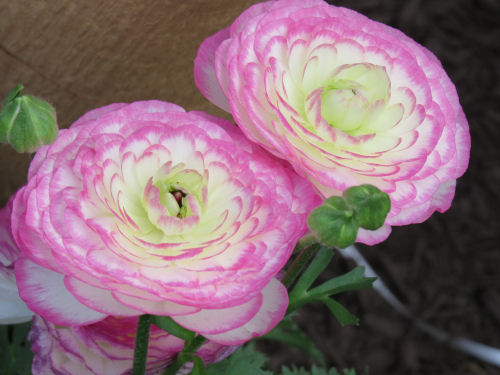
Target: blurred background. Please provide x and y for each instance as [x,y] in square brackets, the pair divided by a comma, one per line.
[82,55]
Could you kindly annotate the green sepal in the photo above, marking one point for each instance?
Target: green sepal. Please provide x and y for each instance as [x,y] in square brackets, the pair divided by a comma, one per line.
[169,325]
[334,223]
[14,93]
[27,122]
[370,204]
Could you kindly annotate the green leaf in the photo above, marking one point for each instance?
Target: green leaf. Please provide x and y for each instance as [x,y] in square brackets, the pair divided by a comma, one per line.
[370,203]
[344,317]
[169,325]
[294,370]
[288,332]
[352,280]
[245,361]
[198,366]
[334,223]
[319,263]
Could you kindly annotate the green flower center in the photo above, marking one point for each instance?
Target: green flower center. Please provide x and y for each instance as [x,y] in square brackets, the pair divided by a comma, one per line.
[356,94]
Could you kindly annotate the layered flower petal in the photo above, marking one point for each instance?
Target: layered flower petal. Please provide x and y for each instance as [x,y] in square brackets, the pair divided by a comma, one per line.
[144,208]
[346,100]
[106,347]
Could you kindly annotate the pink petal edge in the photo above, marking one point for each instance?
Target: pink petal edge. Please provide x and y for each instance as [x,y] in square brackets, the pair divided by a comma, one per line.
[204,70]
[272,310]
[44,292]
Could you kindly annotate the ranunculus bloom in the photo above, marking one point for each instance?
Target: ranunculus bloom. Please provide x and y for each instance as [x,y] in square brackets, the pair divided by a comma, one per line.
[144,208]
[12,308]
[106,348]
[346,100]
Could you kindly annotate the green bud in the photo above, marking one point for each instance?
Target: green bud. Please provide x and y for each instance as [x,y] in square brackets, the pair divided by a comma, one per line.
[27,122]
[370,204]
[334,223]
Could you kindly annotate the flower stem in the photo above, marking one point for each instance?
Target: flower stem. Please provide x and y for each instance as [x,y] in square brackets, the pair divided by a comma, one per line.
[141,345]
[298,264]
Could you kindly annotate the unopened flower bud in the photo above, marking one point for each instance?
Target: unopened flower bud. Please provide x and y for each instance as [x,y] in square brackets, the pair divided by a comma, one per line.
[27,122]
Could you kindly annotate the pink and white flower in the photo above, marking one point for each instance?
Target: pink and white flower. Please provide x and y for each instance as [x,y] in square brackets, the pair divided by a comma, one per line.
[106,347]
[12,308]
[144,208]
[345,99]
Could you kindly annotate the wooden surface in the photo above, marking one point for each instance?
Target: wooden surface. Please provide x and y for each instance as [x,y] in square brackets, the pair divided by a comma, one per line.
[80,55]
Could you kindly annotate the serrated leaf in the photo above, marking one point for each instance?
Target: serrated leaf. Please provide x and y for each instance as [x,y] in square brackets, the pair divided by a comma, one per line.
[294,370]
[344,316]
[351,372]
[288,332]
[169,325]
[245,361]
[322,371]
[354,279]
[334,223]
[370,204]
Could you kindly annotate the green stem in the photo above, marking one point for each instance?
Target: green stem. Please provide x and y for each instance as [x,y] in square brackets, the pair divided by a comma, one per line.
[299,295]
[141,345]
[298,264]
[186,355]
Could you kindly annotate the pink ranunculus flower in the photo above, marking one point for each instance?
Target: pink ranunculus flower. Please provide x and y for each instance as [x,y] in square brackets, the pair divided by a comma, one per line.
[144,208]
[106,348]
[345,99]
[12,308]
